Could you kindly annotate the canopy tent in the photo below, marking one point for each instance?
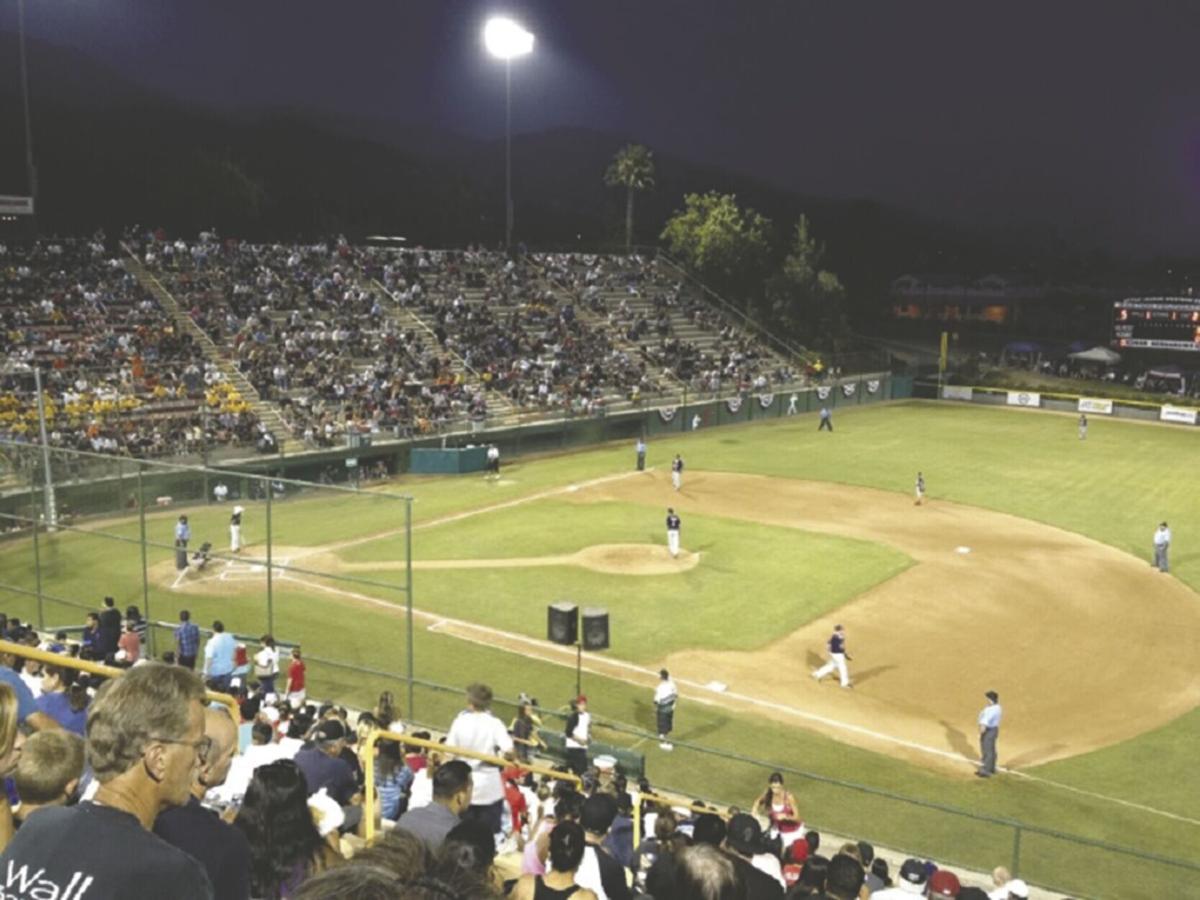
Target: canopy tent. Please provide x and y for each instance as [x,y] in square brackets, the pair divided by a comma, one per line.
[1098,355]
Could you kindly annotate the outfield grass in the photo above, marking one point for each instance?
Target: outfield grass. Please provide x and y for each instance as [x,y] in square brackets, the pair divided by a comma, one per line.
[1114,487]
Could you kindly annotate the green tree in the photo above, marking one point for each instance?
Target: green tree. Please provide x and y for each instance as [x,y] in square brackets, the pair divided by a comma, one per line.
[802,298]
[633,169]
[722,243]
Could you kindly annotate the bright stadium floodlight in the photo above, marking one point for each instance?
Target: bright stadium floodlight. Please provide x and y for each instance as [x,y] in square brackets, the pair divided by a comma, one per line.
[507,40]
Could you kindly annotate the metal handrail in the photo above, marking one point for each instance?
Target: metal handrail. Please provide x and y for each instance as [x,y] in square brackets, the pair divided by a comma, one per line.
[369,766]
[94,668]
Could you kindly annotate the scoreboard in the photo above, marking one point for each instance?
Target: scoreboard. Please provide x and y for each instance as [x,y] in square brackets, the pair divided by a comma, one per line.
[1157,323]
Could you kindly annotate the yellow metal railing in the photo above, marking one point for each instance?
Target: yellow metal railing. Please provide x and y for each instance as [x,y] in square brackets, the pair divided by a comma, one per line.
[84,665]
[368,763]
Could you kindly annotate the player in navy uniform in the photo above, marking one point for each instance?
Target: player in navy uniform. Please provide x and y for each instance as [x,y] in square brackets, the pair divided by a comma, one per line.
[672,532]
[677,471]
[826,420]
[837,657]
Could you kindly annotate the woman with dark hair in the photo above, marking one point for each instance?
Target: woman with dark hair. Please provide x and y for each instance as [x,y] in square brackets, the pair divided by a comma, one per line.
[392,779]
[812,878]
[779,805]
[524,731]
[63,698]
[140,625]
[285,846]
[386,714]
[566,853]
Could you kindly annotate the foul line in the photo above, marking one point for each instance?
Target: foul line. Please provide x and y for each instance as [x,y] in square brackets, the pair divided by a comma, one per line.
[705,696]
[470,513]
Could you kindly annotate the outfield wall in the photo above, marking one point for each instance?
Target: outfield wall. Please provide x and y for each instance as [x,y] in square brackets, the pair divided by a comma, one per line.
[1091,404]
[89,484]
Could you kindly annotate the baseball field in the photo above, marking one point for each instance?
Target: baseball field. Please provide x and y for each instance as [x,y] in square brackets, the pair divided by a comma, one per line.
[1026,571]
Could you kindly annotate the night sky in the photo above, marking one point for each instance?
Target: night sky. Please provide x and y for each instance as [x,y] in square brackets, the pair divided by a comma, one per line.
[1081,116]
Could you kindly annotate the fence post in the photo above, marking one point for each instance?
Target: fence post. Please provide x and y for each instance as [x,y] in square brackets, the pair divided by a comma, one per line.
[270,584]
[408,601]
[1016,857]
[145,565]
[37,553]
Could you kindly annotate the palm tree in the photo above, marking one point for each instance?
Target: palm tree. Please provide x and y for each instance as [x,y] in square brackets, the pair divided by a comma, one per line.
[632,167]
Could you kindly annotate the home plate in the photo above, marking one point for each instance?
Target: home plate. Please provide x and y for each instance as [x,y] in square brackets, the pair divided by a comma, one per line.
[963,550]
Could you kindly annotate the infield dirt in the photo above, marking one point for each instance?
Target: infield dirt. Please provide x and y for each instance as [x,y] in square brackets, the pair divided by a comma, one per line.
[1087,645]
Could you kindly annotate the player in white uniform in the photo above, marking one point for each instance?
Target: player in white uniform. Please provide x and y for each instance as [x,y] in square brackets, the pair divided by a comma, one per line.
[677,471]
[1082,426]
[837,657]
[672,532]
[920,489]
[235,529]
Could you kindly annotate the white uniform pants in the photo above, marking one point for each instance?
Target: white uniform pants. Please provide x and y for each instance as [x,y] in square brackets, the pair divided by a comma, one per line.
[235,538]
[677,479]
[836,661]
[673,541]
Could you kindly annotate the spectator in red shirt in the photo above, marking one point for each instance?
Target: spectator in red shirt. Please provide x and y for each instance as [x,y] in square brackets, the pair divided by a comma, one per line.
[130,644]
[514,799]
[295,683]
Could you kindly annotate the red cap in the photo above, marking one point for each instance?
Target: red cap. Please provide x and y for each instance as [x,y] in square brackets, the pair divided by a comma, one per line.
[581,699]
[944,884]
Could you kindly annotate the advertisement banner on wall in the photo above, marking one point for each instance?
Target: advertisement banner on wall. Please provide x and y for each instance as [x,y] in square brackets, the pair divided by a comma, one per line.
[1092,405]
[957,392]
[1180,414]
[1024,398]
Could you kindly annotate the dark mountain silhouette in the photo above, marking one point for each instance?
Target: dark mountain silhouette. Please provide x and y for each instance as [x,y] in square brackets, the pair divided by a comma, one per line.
[111,152]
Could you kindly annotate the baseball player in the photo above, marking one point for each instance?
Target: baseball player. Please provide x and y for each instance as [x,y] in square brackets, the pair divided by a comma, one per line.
[1162,543]
[640,449]
[183,534]
[235,529]
[920,489]
[837,658]
[677,471]
[1083,426]
[826,420]
[493,461]
[672,532]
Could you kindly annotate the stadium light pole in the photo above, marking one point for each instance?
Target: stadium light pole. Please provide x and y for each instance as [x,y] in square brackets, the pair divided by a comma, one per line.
[30,171]
[507,40]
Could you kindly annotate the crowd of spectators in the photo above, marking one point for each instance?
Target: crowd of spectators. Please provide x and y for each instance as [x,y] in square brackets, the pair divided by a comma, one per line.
[117,375]
[135,787]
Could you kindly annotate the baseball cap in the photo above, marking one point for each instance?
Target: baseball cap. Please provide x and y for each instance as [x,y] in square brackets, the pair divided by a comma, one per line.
[944,883]
[912,873]
[992,695]
[1017,888]
[745,834]
[330,730]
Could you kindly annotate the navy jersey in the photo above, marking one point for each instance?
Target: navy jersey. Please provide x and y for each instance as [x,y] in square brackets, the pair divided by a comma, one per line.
[677,465]
[235,519]
[672,523]
[837,643]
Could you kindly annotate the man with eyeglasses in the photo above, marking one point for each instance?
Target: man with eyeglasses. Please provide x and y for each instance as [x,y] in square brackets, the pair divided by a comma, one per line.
[199,831]
[145,736]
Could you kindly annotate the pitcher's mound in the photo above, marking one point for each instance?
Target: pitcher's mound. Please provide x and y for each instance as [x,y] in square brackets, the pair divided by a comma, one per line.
[635,559]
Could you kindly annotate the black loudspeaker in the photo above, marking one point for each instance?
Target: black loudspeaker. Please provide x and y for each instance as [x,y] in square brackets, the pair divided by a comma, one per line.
[562,625]
[595,628]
